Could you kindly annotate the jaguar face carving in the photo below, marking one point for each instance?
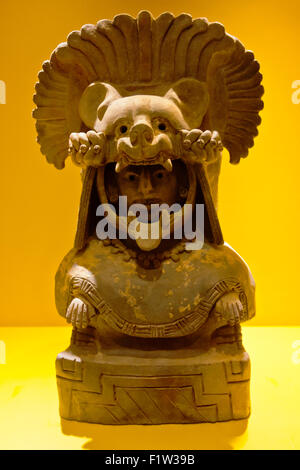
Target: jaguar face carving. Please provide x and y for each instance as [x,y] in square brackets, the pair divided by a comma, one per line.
[142,129]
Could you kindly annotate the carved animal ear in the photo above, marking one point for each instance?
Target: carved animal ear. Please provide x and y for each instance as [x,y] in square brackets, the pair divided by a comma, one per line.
[94,102]
[191,96]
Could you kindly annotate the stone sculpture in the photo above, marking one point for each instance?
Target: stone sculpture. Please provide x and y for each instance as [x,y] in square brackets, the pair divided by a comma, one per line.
[144,107]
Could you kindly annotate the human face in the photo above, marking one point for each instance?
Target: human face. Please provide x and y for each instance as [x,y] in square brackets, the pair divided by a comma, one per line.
[150,184]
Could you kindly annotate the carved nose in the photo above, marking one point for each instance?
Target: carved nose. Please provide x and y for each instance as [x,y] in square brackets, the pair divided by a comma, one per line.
[145,183]
[141,134]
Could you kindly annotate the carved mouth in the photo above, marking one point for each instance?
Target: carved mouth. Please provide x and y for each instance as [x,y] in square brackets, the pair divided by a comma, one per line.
[162,158]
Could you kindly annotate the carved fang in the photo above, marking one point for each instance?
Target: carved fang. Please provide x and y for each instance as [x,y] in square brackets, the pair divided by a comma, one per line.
[120,166]
[167,164]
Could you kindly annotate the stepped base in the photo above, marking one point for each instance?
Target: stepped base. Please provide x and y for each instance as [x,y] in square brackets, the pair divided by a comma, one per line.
[112,388]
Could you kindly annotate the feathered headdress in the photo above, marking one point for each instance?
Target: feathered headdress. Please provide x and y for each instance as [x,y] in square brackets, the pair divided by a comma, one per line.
[133,52]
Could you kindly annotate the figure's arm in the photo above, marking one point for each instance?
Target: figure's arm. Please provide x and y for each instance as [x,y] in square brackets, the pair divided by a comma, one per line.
[86,303]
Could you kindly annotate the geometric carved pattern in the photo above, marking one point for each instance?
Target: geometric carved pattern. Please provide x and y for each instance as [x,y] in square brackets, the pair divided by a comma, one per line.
[152,400]
[188,324]
[216,392]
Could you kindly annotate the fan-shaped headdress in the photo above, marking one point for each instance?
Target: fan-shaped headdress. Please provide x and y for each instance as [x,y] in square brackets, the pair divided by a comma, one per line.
[143,51]
[146,55]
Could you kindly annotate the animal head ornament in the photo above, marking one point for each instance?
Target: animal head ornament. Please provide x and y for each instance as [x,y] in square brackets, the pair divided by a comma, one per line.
[143,129]
[190,73]
[144,91]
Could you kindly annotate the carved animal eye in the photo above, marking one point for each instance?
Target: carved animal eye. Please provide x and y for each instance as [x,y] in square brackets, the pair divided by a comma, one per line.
[123,129]
[160,124]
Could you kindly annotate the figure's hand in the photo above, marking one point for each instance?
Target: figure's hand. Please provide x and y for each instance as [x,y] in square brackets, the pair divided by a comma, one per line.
[79,313]
[205,145]
[229,308]
[87,149]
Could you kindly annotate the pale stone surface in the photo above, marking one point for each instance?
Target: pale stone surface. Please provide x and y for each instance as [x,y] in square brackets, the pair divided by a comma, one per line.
[145,107]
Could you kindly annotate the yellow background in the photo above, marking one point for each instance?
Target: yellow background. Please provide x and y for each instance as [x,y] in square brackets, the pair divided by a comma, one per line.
[259,198]
[29,417]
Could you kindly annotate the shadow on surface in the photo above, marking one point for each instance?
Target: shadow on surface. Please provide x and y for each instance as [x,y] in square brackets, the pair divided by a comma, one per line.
[209,436]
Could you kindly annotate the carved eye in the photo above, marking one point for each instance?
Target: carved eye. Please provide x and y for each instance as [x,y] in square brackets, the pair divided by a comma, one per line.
[160,174]
[160,124]
[123,129]
[132,177]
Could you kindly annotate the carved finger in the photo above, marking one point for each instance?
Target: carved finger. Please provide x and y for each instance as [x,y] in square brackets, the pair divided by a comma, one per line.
[85,318]
[89,157]
[74,140]
[83,139]
[215,138]
[231,319]
[218,316]
[200,154]
[78,319]
[230,313]
[220,306]
[205,138]
[69,312]
[80,312]
[209,152]
[82,308]
[77,158]
[223,305]
[236,313]
[74,314]
[102,138]
[216,141]
[191,137]
[84,142]
[219,144]
[96,138]
[241,309]
[71,148]
[182,134]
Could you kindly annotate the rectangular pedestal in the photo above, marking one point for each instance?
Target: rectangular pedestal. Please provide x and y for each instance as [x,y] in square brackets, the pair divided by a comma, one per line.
[153,392]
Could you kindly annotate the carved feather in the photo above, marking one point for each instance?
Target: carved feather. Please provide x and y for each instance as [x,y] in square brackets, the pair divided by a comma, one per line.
[145,51]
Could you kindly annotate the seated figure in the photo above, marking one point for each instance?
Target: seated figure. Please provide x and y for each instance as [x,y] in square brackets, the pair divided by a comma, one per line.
[145,107]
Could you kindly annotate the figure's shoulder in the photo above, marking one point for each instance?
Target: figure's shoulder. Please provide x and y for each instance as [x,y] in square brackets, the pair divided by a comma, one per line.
[220,258]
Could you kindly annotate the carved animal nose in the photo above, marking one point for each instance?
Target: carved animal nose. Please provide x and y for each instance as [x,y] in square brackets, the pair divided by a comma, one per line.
[141,134]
